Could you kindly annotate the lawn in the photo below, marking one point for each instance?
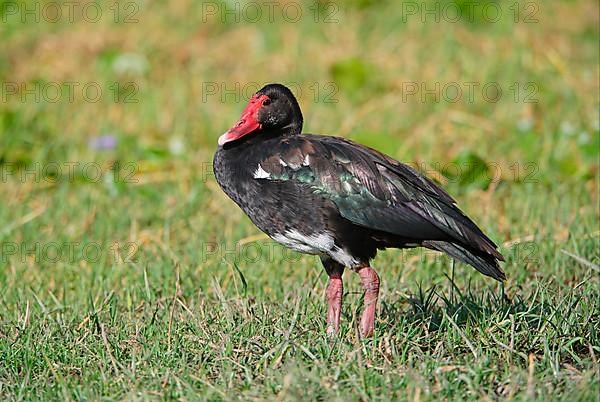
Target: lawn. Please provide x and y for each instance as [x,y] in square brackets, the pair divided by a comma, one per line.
[126,273]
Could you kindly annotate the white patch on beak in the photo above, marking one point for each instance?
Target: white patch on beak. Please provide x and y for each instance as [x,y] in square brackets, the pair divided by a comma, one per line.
[222,139]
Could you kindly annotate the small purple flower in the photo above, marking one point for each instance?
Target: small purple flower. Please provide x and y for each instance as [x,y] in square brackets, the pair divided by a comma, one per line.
[103,142]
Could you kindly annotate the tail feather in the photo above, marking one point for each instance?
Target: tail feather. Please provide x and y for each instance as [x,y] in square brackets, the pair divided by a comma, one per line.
[485,263]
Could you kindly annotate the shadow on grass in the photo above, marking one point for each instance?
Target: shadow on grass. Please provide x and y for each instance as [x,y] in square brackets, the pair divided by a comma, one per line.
[428,307]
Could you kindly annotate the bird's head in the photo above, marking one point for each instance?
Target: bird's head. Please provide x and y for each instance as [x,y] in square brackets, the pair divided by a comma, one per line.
[272,109]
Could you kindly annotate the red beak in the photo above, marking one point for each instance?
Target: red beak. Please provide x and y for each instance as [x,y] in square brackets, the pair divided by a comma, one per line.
[248,122]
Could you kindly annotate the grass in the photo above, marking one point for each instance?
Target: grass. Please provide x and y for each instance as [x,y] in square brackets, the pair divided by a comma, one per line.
[127,273]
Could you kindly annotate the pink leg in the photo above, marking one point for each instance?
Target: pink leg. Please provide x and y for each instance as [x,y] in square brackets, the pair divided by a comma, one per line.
[335,290]
[334,293]
[370,283]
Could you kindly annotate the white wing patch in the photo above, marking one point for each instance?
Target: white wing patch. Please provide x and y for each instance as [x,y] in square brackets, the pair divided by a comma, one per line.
[310,244]
[344,258]
[260,173]
[320,243]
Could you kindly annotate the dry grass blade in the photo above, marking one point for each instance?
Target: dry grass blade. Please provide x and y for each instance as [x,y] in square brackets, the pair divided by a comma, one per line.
[582,261]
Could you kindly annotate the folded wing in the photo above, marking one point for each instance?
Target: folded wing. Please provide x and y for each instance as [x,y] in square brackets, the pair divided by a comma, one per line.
[377,192]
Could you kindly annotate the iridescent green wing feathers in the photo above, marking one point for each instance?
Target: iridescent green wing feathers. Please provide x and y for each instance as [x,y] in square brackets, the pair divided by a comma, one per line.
[373,190]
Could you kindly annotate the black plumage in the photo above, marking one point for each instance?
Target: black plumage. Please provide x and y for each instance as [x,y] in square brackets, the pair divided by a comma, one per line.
[336,198]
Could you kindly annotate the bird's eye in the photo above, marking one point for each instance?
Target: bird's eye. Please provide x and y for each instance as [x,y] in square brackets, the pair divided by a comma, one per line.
[266,102]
